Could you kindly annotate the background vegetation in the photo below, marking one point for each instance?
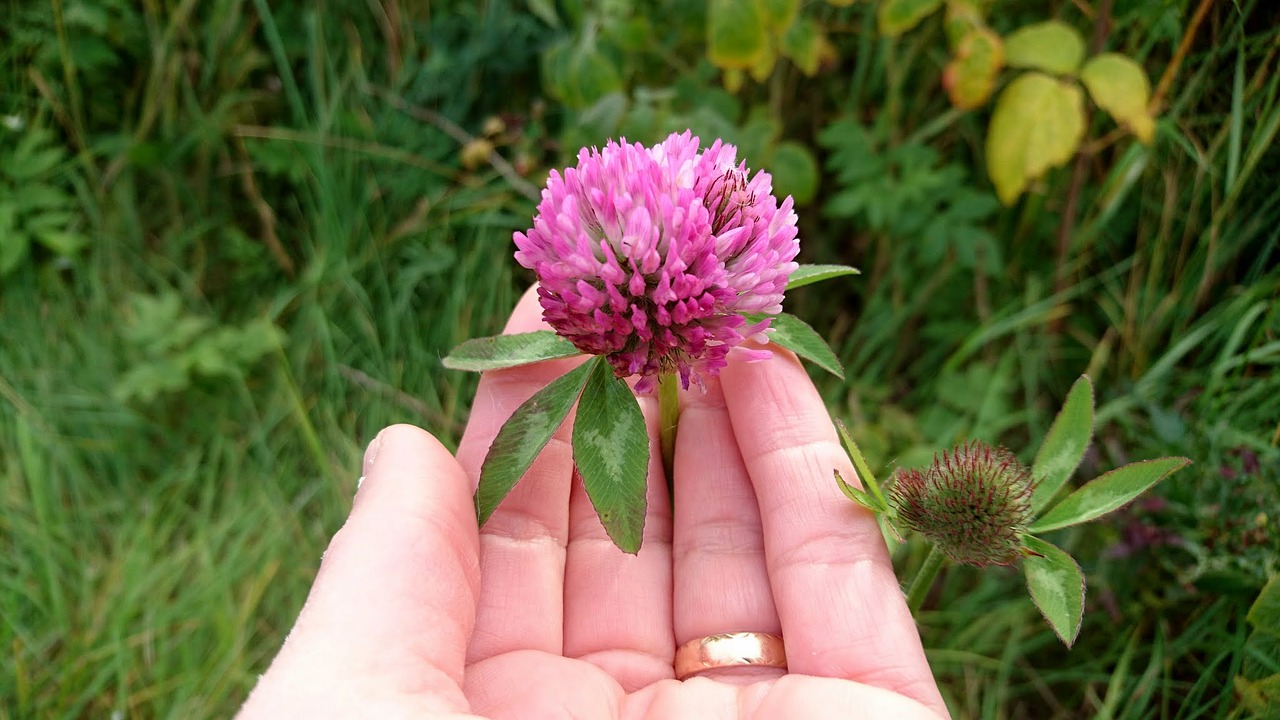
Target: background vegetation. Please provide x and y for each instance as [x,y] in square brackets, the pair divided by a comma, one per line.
[236,237]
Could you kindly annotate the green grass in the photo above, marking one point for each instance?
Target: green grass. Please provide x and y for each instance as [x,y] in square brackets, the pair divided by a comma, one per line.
[170,474]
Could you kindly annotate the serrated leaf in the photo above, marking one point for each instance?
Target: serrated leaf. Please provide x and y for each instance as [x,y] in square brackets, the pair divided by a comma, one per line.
[504,351]
[898,16]
[810,274]
[1037,124]
[795,172]
[1063,447]
[1052,46]
[611,450]
[736,35]
[523,436]
[797,336]
[1057,587]
[1108,492]
[1120,86]
[971,76]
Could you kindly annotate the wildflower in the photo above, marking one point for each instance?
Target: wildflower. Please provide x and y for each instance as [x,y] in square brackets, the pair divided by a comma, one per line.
[653,257]
[973,502]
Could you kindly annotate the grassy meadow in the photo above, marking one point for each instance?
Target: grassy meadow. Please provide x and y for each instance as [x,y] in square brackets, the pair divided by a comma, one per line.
[236,237]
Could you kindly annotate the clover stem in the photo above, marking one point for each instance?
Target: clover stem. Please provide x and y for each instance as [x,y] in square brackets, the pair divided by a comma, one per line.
[668,418]
[924,579]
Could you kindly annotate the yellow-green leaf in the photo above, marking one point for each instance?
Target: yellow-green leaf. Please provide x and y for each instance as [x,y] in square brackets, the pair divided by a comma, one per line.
[736,36]
[971,75]
[899,16]
[778,14]
[1120,86]
[963,17]
[805,45]
[1037,124]
[1052,46]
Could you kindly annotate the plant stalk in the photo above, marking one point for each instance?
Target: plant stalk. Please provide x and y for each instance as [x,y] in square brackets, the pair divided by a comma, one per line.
[668,418]
[924,578]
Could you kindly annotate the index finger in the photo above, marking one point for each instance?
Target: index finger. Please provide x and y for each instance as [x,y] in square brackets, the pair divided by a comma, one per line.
[842,610]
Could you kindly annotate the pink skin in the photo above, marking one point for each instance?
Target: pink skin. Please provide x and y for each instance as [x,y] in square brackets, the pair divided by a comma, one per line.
[417,614]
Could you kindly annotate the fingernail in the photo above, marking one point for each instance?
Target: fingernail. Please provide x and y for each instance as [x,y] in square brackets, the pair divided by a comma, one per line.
[371,453]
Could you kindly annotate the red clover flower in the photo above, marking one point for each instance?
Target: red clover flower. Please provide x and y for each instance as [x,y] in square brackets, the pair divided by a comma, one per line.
[973,503]
[654,257]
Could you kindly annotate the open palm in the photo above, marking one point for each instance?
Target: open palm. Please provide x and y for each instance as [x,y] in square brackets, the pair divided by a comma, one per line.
[417,614]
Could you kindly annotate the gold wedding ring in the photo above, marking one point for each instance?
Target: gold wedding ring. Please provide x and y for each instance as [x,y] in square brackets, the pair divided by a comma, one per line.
[735,649]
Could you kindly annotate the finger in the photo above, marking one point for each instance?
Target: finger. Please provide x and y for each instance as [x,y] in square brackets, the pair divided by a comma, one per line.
[842,611]
[718,561]
[522,546]
[618,606]
[394,601]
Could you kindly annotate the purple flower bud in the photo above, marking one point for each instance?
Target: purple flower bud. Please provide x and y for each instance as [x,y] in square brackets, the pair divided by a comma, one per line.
[653,256]
[973,503]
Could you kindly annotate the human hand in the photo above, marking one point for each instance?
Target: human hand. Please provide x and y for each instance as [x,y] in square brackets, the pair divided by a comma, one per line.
[416,613]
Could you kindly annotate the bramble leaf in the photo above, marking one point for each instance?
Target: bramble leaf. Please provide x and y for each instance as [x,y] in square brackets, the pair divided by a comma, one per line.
[1063,447]
[504,351]
[1052,46]
[1037,124]
[971,75]
[898,16]
[1057,587]
[1120,86]
[523,436]
[611,451]
[1108,492]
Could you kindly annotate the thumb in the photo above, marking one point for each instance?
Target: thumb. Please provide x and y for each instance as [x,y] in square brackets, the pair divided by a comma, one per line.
[393,605]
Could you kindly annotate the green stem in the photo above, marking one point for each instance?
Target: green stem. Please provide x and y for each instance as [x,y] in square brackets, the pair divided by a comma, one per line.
[924,579]
[668,418]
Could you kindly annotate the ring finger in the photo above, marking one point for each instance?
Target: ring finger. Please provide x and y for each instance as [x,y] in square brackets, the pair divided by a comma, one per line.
[721,581]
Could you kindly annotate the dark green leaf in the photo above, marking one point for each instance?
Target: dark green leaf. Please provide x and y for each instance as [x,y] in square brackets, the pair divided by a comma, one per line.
[795,335]
[795,171]
[1063,447]
[611,449]
[524,435]
[810,274]
[1108,492]
[1057,587]
[504,351]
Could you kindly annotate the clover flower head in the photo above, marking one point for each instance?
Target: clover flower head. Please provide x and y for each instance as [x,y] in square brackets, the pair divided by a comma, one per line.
[654,257]
[973,503]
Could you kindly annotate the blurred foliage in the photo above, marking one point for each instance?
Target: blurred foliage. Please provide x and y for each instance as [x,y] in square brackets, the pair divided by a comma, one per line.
[272,219]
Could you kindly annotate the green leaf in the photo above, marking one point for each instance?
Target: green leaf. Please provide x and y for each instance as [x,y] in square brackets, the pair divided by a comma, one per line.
[864,499]
[971,76]
[1063,447]
[1120,86]
[1108,492]
[795,335]
[794,171]
[810,274]
[736,35]
[577,73]
[778,14]
[1037,124]
[899,16]
[1057,587]
[1264,614]
[523,436]
[611,449]
[504,351]
[1052,46]
[806,45]
[860,464]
